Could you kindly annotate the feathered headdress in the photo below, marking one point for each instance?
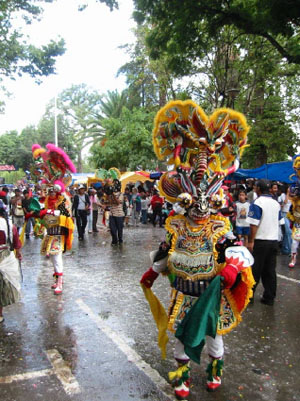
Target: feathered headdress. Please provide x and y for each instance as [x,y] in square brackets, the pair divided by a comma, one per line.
[113,173]
[203,149]
[53,166]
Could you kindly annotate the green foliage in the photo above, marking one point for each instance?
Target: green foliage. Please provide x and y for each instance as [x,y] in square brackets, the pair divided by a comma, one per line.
[12,177]
[18,57]
[9,144]
[80,116]
[128,142]
[112,4]
[16,149]
[181,27]
[149,81]
[112,103]
[239,54]
[65,138]
[271,138]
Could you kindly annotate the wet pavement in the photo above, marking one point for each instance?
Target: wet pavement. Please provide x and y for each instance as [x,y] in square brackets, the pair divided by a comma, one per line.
[97,341]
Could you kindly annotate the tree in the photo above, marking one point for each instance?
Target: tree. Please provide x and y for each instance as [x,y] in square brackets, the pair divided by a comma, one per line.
[8,148]
[16,149]
[127,143]
[65,138]
[246,73]
[80,108]
[150,82]
[16,56]
[180,27]
[112,102]
[272,137]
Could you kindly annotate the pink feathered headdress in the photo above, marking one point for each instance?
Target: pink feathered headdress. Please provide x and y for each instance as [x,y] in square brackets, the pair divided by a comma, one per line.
[53,166]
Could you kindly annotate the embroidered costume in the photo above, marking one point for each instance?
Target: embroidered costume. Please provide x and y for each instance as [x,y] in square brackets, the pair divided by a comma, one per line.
[211,278]
[294,214]
[53,223]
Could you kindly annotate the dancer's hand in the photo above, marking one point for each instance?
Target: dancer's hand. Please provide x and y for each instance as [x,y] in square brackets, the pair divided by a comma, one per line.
[149,277]
[229,274]
[237,259]
[18,254]
[250,246]
[28,215]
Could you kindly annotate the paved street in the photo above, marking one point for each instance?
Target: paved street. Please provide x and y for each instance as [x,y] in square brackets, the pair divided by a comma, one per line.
[97,341]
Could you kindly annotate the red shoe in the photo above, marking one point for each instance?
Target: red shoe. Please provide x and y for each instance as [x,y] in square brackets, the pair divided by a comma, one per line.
[54,285]
[293,260]
[214,384]
[58,289]
[182,391]
[181,380]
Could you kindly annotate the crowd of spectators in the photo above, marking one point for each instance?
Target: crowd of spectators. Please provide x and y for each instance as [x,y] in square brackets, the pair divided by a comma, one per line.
[257,211]
[241,194]
[143,205]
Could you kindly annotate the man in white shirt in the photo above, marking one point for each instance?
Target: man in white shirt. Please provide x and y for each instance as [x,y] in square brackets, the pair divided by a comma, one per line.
[80,208]
[263,217]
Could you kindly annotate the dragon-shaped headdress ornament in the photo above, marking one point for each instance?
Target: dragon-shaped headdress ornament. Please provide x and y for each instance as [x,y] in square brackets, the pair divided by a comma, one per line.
[203,149]
[110,179]
[52,166]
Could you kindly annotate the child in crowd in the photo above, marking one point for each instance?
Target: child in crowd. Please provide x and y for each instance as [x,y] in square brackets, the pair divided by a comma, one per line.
[242,209]
[135,207]
[144,207]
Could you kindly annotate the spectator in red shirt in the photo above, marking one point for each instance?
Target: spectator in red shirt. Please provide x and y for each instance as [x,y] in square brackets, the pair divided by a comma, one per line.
[156,205]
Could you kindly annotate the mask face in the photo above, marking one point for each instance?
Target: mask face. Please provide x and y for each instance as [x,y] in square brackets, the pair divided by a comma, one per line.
[200,208]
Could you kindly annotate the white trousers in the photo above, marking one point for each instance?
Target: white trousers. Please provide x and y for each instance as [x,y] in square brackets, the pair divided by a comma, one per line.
[57,263]
[214,346]
[295,245]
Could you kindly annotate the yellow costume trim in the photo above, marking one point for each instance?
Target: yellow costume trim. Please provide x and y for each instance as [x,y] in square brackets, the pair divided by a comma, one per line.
[22,235]
[290,216]
[215,368]
[38,152]
[177,374]
[247,278]
[166,136]
[60,200]
[160,317]
[68,223]
[175,304]
[48,242]
[162,192]
[169,114]
[200,227]
[117,171]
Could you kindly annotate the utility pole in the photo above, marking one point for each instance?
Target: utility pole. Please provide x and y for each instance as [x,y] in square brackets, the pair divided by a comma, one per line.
[55,121]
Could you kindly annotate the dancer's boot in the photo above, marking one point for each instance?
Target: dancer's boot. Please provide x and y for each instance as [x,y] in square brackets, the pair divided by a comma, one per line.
[293,260]
[181,380]
[59,286]
[214,373]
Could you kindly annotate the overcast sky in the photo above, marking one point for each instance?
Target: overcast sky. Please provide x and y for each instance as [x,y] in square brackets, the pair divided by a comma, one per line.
[92,57]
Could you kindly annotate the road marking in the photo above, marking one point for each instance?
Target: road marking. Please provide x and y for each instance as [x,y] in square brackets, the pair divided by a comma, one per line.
[288,278]
[59,369]
[26,376]
[130,353]
[63,372]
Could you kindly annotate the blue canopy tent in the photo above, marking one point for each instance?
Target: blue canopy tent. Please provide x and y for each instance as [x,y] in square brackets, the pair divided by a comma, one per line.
[280,171]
